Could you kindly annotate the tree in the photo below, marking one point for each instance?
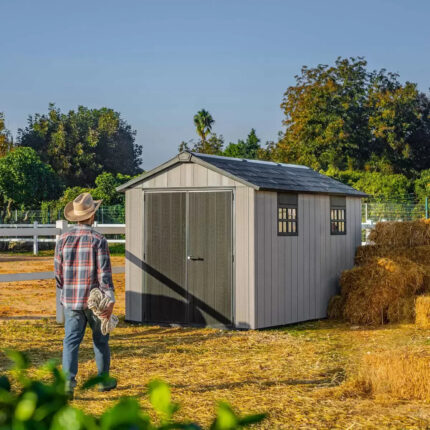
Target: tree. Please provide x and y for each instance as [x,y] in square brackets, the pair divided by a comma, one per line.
[82,144]
[203,121]
[25,180]
[346,117]
[244,149]
[214,145]
[6,142]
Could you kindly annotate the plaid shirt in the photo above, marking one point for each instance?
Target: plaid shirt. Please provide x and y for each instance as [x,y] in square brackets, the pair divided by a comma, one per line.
[82,262]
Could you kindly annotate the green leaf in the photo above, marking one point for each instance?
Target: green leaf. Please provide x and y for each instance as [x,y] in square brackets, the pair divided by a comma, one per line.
[226,419]
[4,383]
[69,418]
[160,398]
[19,359]
[26,406]
[125,412]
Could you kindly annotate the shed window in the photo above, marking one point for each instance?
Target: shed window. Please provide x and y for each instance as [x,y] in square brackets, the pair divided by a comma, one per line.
[337,215]
[287,214]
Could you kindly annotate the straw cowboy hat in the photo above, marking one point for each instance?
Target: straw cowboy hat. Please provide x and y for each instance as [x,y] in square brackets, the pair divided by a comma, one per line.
[82,208]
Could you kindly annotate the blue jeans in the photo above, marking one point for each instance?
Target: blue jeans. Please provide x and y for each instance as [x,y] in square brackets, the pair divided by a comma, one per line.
[75,323]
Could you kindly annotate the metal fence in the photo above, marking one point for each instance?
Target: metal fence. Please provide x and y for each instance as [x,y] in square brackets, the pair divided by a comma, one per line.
[105,215]
[405,210]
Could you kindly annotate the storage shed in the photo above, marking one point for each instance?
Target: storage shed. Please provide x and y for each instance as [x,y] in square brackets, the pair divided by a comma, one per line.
[238,243]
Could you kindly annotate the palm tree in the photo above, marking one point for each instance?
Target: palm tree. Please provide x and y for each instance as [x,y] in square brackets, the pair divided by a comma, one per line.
[203,121]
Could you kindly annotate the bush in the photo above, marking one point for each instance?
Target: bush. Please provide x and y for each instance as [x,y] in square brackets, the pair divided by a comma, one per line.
[40,405]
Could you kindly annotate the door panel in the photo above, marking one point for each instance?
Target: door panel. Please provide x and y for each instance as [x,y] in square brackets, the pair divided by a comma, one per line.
[165,295]
[210,243]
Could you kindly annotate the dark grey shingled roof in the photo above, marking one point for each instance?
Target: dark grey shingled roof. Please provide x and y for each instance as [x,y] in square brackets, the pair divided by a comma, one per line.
[262,175]
[278,176]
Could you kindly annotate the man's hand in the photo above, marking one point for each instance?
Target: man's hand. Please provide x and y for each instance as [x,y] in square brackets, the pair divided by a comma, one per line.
[108,311]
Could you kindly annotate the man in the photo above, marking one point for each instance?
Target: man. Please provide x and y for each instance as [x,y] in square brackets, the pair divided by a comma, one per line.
[82,262]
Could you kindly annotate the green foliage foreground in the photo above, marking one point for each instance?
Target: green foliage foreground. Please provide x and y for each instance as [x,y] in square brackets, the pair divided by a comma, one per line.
[38,405]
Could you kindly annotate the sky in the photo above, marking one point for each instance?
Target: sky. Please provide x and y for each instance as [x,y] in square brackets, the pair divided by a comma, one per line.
[158,62]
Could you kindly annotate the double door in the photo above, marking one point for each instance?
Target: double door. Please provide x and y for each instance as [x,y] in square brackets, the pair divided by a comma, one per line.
[188,258]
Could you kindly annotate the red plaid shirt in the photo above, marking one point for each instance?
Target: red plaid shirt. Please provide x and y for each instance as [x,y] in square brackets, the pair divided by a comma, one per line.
[82,262]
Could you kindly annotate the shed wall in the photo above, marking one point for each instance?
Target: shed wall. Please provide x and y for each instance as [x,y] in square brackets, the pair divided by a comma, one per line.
[297,275]
[192,176]
[133,254]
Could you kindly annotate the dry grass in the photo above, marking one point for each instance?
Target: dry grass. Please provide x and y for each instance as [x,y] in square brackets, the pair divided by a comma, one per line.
[368,291]
[422,311]
[403,374]
[296,374]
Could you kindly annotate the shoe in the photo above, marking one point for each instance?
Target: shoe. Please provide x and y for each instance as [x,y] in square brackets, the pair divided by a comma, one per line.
[108,385]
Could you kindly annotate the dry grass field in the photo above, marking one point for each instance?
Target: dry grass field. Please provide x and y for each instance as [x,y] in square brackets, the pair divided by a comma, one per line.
[320,374]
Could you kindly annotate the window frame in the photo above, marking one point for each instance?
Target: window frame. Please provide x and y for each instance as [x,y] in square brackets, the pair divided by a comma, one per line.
[338,203]
[287,201]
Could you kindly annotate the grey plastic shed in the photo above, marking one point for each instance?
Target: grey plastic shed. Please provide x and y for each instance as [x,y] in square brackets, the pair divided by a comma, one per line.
[236,243]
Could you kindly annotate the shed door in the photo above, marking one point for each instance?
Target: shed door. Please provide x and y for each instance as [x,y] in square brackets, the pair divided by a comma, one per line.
[188,257]
[210,257]
[165,296]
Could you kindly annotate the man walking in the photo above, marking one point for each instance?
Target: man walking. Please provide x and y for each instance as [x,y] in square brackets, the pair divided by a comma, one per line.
[82,262]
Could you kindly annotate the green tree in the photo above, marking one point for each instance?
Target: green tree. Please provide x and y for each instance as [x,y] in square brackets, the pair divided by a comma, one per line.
[214,145]
[6,142]
[349,118]
[203,121]
[25,180]
[245,149]
[82,144]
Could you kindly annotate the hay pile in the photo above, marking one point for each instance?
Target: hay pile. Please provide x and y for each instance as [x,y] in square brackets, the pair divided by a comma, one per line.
[422,311]
[401,374]
[388,277]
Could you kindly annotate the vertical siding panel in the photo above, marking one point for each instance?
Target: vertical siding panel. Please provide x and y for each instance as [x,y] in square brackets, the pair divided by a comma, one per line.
[200,176]
[160,181]
[312,253]
[242,257]
[260,258]
[134,246]
[268,259]
[251,258]
[214,178]
[301,258]
[174,177]
[275,308]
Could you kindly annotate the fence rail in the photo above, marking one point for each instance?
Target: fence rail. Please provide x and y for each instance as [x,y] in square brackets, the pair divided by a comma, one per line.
[33,232]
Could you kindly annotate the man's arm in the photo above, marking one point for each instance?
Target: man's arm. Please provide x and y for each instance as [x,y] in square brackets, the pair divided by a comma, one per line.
[104,270]
[58,265]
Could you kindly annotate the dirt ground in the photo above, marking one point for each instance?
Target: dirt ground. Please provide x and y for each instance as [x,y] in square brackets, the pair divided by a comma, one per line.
[301,375]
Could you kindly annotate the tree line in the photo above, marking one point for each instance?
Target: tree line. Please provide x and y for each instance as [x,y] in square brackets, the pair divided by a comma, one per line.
[363,127]
[59,155]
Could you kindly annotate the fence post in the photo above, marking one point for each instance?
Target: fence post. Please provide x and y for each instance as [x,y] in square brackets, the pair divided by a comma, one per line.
[427,208]
[35,242]
[62,225]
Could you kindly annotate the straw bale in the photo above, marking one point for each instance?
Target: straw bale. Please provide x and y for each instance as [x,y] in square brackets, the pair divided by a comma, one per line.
[370,289]
[422,311]
[335,308]
[401,374]
[402,310]
[401,233]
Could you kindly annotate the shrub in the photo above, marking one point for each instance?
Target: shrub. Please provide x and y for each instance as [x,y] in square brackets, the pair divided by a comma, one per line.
[39,405]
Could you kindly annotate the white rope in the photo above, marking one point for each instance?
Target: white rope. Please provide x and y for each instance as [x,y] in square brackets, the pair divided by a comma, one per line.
[98,303]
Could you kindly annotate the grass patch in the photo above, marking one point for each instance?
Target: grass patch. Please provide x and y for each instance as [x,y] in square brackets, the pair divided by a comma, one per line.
[305,375]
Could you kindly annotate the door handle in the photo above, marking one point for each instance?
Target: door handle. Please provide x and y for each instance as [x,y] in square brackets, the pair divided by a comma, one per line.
[192,258]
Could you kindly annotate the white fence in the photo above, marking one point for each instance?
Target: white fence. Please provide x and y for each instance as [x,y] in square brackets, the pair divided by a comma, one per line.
[37,233]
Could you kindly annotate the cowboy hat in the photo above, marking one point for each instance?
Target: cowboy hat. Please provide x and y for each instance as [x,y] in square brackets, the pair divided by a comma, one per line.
[82,208]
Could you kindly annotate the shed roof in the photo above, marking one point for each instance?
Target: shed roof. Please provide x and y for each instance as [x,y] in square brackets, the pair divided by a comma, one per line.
[261,175]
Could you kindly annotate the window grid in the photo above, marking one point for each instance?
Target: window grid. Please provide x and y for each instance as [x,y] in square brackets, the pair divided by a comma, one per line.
[287,220]
[337,220]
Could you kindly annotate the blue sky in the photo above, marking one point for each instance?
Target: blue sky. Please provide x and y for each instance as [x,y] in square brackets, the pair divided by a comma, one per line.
[158,62]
